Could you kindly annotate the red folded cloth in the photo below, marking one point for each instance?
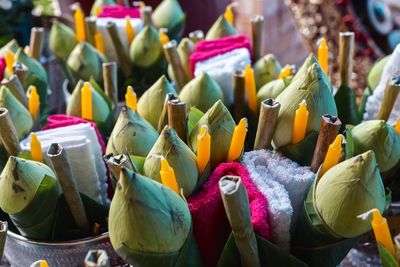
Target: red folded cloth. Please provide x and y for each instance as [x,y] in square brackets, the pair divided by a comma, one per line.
[210,224]
[119,12]
[61,120]
[2,67]
[208,49]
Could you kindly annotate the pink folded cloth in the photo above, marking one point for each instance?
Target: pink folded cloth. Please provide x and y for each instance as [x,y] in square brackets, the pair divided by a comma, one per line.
[119,12]
[2,67]
[210,224]
[208,49]
[61,120]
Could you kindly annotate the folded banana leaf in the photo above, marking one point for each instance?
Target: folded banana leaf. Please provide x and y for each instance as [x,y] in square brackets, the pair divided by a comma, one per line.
[361,108]
[270,255]
[349,150]
[301,152]
[387,259]
[193,117]
[138,162]
[375,73]
[346,104]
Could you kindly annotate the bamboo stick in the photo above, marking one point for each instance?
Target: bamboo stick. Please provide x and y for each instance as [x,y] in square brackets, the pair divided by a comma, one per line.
[16,88]
[110,78]
[62,167]
[346,54]
[330,126]
[145,14]
[257,27]
[90,23]
[177,117]
[175,62]
[21,71]
[36,42]
[163,120]
[266,123]
[97,258]
[196,36]
[389,98]
[8,133]
[3,237]
[236,203]
[238,91]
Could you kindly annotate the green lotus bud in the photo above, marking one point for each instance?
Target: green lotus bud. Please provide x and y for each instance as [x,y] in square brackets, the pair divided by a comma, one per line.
[20,116]
[310,60]
[347,190]
[169,14]
[220,28]
[220,126]
[266,69]
[151,103]
[29,194]
[101,110]
[185,49]
[85,62]
[11,45]
[375,73]
[202,92]
[99,4]
[273,89]
[315,89]
[62,40]
[380,137]
[131,135]
[146,217]
[179,157]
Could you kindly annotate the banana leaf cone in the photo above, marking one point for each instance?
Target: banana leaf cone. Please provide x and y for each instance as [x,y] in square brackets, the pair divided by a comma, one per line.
[85,62]
[346,104]
[36,76]
[150,225]
[62,40]
[169,14]
[221,126]
[273,88]
[202,92]
[147,55]
[131,135]
[315,89]
[221,28]
[29,194]
[101,108]
[375,73]
[185,49]
[363,102]
[328,226]
[179,157]
[99,4]
[11,45]
[382,138]
[20,116]
[310,60]
[151,103]
[266,69]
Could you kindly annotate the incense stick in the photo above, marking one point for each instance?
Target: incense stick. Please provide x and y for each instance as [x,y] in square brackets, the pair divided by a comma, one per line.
[175,62]
[3,236]
[257,24]
[36,42]
[177,118]
[110,79]
[389,98]
[238,91]
[266,123]
[346,53]
[16,88]
[90,23]
[8,133]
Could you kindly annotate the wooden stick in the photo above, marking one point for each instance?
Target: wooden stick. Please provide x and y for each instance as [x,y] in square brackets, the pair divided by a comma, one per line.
[330,126]
[238,91]
[266,123]
[8,133]
[36,42]
[346,54]
[16,88]
[196,36]
[123,58]
[3,237]
[257,27]
[146,14]
[110,78]
[97,258]
[389,98]
[237,208]
[116,163]
[163,120]
[177,117]
[174,60]
[90,23]
[62,168]
[21,71]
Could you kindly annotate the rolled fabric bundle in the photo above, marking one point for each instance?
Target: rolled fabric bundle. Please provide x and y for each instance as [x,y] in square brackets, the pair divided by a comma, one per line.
[220,58]
[210,224]
[120,12]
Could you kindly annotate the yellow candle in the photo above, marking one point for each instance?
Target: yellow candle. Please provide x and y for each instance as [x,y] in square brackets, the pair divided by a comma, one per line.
[86,102]
[203,148]
[97,11]
[130,32]
[99,42]
[131,98]
[168,176]
[9,57]
[36,148]
[229,14]
[43,263]
[285,72]
[33,101]
[300,123]
[333,155]
[250,88]
[397,126]
[79,18]
[164,39]
[237,142]
[381,231]
[323,55]
[142,4]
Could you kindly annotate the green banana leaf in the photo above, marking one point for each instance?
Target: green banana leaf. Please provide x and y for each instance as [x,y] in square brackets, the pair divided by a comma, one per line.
[349,150]
[387,259]
[361,108]
[301,152]
[193,117]
[375,73]
[347,106]
[138,163]
[270,255]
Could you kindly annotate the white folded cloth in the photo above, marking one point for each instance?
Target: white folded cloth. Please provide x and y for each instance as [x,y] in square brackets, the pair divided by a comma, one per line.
[392,68]
[222,67]
[84,154]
